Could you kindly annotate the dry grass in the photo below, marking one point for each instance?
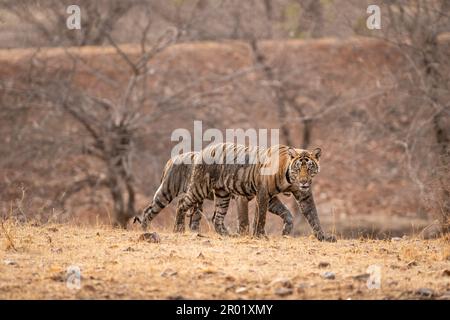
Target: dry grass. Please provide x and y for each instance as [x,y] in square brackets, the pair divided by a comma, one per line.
[115,264]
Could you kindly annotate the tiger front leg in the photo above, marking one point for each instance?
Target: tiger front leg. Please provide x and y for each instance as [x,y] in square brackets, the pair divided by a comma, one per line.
[259,223]
[308,209]
[278,208]
[242,210]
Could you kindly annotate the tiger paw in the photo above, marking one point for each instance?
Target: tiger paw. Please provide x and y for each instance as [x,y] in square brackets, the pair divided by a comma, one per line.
[220,229]
[327,238]
[179,228]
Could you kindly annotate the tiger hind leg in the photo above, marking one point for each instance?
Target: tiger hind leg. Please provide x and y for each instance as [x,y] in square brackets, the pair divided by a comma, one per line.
[179,222]
[185,204]
[195,218]
[222,202]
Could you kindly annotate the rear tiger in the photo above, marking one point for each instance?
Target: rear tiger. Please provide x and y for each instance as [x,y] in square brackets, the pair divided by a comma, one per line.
[174,180]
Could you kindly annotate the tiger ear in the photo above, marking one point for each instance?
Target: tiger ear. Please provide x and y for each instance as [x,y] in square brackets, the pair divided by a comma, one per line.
[316,153]
[292,153]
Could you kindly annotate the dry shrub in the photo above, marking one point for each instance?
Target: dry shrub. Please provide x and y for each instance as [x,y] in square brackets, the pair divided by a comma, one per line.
[8,231]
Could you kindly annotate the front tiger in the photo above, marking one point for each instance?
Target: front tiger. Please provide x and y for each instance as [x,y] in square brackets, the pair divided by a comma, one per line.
[226,169]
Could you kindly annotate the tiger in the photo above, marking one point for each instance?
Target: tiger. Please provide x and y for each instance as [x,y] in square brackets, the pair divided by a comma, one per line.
[174,182]
[227,169]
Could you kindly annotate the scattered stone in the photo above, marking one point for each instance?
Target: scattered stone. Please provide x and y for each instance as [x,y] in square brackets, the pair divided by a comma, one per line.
[282,292]
[57,250]
[207,243]
[198,235]
[302,286]
[230,278]
[362,277]
[130,249]
[393,283]
[53,229]
[200,256]
[324,264]
[88,287]
[446,273]
[168,273]
[329,275]
[396,239]
[151,237]
[10,262]
[425,292]
[241,290]
[282,282]
[412,263]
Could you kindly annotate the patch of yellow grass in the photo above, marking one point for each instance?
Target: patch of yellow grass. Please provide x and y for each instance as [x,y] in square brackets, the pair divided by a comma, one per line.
[115,264]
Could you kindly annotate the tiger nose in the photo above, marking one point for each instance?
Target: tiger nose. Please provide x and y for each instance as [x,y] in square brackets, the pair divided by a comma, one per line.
[304,186]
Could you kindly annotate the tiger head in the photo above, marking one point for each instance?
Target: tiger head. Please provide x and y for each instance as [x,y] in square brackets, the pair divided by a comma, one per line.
[303,166]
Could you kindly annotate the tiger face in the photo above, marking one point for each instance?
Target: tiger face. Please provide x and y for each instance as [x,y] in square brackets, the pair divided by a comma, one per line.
[303,167]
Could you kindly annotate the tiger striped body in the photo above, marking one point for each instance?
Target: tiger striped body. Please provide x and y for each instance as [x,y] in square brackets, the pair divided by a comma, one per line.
[230,169]
[174,182]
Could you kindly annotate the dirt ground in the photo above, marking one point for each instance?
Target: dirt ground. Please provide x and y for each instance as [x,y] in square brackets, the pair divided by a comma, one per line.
[119,264]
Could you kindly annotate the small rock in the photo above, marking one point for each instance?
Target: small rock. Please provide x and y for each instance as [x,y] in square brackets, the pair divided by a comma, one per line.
[282,292]
[241,290]
[329,275]
[151,237]
[230,278]
[207,243]
[396,239]
[200,256]
[199,235]
[168,273]
[362,277]
[282,282]
[57,250]
[89,287]
[53,229]
[412,263]
[446,273]
[130,249]
[425,292]
[324,264]
[10,262]
[302,286]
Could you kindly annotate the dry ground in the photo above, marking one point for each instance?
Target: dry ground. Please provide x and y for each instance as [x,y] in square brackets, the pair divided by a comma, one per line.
[116,264]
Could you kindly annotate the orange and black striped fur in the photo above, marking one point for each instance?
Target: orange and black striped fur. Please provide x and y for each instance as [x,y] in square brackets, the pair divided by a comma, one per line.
[228,169]
[174,182]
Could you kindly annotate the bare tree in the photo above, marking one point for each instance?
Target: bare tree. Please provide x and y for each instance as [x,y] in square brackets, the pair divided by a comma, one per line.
[419,29]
